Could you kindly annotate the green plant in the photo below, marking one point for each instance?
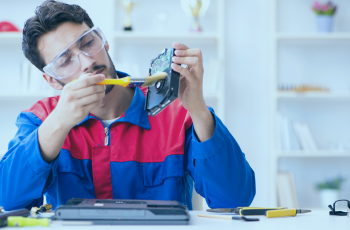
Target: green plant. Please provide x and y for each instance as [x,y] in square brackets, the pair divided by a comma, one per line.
[324,9]
[334,183]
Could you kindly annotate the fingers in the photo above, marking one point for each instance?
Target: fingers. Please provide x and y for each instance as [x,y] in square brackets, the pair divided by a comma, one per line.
[180,46]
[192,61]
[86,80]
[91,99]
[93,89]
[184,72]
[91,106]
[189,53]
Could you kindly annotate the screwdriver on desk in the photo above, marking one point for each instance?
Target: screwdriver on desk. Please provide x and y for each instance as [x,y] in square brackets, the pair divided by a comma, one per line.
[285,212]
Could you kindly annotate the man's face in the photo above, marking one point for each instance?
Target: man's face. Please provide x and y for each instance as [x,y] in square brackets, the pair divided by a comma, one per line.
[53,43]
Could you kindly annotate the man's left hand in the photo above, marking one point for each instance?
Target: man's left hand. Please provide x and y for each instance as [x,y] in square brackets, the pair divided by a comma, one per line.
[191,89]
[191,77]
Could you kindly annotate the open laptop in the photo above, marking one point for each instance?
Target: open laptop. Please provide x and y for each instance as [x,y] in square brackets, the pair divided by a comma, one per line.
[125,212]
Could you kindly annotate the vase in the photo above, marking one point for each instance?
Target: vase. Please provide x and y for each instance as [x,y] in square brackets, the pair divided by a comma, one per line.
[328,197]
[324,23]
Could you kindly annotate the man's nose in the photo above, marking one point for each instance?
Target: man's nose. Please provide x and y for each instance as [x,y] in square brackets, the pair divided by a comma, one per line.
[86,62]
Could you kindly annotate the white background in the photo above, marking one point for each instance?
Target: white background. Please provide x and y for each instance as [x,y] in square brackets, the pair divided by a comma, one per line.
[247,80]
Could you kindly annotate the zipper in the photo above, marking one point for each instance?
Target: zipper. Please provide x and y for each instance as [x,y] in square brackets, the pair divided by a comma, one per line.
[107,136]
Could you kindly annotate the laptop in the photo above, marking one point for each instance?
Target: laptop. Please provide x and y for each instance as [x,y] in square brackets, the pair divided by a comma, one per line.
[123,212]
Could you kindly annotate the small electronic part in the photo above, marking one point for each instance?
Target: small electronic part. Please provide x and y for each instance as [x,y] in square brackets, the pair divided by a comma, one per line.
[46,208]
[35,210]
[166,90]
[41,209]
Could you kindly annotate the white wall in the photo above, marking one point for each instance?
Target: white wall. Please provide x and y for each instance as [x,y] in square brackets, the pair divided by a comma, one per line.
[247,69]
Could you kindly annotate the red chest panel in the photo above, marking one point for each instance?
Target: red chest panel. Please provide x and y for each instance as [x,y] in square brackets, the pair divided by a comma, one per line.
[128,141]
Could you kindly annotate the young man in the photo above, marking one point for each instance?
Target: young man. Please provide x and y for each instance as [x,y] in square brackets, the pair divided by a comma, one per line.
[98,142]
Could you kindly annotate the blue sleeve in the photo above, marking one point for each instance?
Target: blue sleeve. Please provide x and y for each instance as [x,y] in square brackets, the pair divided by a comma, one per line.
[221,173]
[24,174]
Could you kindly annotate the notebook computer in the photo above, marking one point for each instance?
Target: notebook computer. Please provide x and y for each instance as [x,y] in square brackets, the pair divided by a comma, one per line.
[125,212]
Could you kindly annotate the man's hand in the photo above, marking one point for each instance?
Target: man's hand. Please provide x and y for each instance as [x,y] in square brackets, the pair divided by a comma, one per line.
[191,89]
[191,77]
[77,100]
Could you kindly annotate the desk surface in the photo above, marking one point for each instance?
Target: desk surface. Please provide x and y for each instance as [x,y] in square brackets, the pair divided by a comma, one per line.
[313,220]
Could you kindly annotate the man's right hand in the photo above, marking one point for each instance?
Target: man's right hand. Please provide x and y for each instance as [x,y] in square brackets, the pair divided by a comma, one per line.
[77,100]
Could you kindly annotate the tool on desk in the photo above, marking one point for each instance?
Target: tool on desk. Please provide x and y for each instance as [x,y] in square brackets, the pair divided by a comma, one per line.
[229,217]
[134,82]
[5,215]
[253,211]
[19,221]
[285,212]
[339,213]
[227,210]
[245,211]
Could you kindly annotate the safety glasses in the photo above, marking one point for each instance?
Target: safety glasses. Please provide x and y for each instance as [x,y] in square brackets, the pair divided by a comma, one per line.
[339,213]
[67,62]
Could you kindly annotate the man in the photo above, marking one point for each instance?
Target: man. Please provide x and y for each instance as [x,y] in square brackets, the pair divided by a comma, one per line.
[98,142]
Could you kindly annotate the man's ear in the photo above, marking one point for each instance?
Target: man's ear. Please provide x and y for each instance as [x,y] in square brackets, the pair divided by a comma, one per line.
[107,46]
[52,82]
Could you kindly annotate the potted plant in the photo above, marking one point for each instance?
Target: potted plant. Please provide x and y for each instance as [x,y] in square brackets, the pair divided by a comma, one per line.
[329,190]
[325,13]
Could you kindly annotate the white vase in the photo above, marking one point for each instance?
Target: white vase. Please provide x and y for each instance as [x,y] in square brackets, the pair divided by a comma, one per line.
[324,23]
[328,197]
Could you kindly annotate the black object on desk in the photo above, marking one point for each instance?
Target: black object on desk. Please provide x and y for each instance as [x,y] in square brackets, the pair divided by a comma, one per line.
[126,212]
[339,213]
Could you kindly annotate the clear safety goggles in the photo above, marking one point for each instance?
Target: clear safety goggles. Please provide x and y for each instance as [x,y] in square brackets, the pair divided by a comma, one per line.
[67,62]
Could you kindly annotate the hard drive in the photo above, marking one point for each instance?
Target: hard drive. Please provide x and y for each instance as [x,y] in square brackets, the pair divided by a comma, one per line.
[164,91]
[129,212]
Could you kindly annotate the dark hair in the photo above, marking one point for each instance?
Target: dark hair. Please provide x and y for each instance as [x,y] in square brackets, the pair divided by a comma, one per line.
[48,16]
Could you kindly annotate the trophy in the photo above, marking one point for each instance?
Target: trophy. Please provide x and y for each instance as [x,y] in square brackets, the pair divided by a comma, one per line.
[128,7]
[196,8]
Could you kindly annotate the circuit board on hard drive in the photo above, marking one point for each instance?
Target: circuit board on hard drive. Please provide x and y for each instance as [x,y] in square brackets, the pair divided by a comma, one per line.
[164,91]
[161,63]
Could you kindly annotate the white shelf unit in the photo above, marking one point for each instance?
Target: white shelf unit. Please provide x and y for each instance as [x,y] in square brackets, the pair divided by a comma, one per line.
[17,36]
[280,37]
[144,35]
[313,36]
[313,154]
[313,95]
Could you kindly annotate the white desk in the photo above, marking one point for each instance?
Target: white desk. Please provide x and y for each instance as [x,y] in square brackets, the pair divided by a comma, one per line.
[313,220]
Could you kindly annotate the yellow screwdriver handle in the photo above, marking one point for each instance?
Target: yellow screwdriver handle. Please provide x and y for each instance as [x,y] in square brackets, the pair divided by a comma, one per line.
[125,81]
[248,208]
[281,213]
[19,221]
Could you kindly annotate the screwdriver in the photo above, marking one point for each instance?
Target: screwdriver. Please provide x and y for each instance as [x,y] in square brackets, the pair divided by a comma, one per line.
[19,221]
[134,82]
[285,212]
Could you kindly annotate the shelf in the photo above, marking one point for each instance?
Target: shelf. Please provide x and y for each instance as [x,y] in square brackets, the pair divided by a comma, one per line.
[314,36]
[313,95]
[146,35]
[23,96]
[131,35]
[313,154]
[6,36]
